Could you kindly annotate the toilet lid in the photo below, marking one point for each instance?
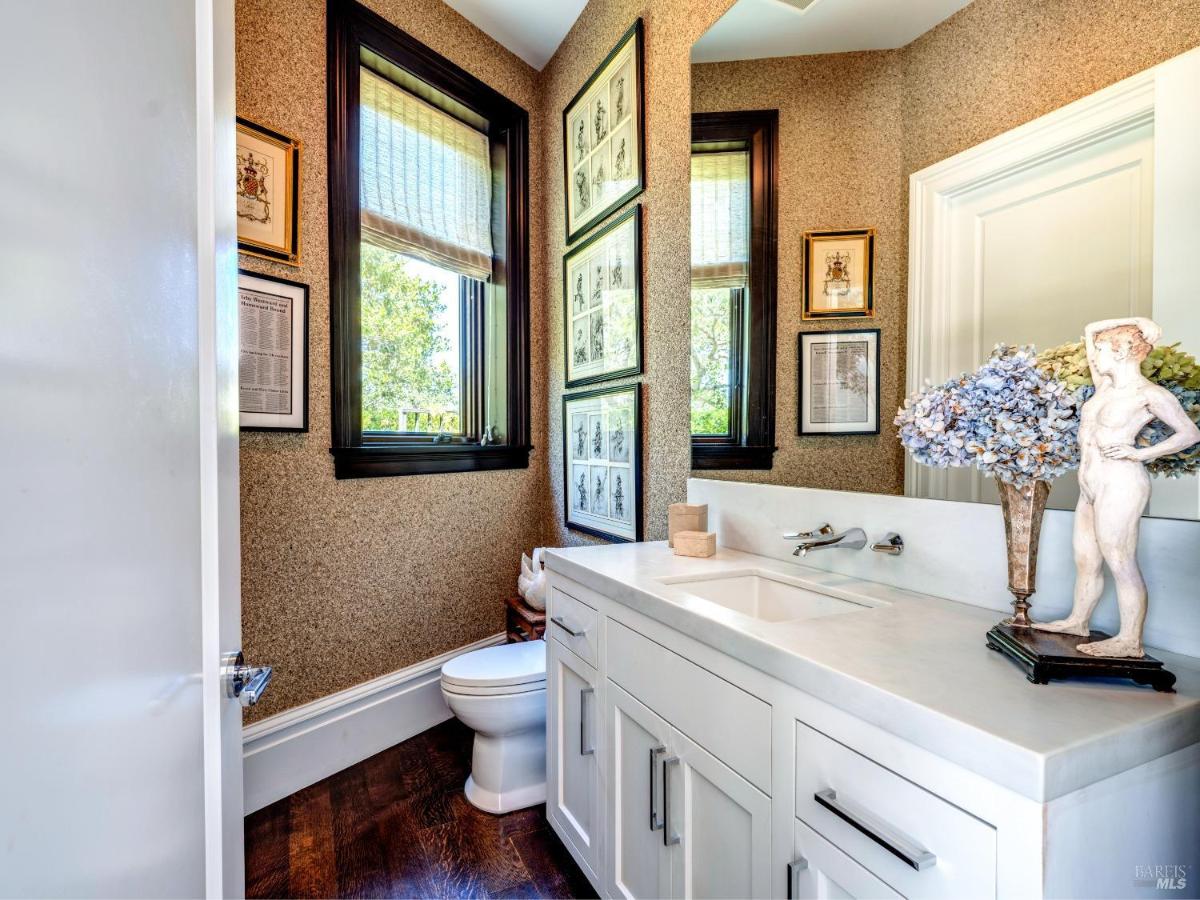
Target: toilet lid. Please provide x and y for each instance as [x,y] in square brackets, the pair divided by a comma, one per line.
[506,665]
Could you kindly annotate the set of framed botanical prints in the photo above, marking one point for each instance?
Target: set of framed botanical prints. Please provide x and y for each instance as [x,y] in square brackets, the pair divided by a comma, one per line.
[838,371]
[604,168]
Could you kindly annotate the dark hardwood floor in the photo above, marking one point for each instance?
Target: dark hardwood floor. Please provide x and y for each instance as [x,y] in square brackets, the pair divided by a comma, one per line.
[398,825]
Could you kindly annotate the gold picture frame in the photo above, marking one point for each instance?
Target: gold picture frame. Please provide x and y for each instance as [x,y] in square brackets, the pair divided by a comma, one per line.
[839,274]
[268,166]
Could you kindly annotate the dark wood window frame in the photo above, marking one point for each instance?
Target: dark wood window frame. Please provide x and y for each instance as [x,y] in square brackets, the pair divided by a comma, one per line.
[352,28]
[751,443]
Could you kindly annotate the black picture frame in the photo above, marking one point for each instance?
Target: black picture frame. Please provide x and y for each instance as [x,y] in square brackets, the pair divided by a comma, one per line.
[806,308]
[635,32]
[292,198]
[635,462]
[635,214]
[302,428]
[800,394]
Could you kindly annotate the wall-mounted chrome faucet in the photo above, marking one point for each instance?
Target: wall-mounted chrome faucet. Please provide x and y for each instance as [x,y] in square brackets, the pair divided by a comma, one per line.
[826,538]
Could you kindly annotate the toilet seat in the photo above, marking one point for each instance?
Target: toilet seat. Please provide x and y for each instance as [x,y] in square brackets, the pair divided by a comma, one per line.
[507,669]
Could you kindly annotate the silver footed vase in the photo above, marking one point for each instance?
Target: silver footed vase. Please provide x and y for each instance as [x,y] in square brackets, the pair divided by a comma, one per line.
[1023,508]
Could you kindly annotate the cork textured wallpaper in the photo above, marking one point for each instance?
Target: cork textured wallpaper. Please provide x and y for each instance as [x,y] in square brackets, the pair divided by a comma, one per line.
[344,581]
[840,140]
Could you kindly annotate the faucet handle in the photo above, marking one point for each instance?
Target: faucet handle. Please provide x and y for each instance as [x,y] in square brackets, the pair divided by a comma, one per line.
[823,531]
[892,545]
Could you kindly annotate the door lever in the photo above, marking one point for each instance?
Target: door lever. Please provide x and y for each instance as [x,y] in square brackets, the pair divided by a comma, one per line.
[242,682]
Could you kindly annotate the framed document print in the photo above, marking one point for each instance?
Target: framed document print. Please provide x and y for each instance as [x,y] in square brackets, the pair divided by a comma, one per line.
[268,193]
[839,272]
[602,299]
[273,353]
[839,382]
[603,161]
[602,462]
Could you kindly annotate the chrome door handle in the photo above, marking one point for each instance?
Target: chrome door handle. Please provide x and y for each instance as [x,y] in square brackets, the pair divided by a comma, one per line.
[794,868]
[584,748]
[890,839]
[669,840]
[561,623]
[655,752]
[245,683]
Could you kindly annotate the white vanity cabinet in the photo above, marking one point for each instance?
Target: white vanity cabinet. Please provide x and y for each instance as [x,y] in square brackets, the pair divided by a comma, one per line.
[712,778]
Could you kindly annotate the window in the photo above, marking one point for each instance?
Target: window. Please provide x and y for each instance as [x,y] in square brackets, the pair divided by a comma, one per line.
[428,206]
[733,290]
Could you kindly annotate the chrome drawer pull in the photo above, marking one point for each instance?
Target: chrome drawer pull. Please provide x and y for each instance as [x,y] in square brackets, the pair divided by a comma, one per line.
[889,839]
[586,747]
[561,623]
[669,839]
[795,867]
[655,752]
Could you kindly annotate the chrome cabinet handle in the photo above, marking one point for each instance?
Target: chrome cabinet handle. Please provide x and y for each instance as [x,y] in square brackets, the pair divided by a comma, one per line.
[669,839]
[586,747]
[794,868]
[561,623]
[655,752]
[894,842]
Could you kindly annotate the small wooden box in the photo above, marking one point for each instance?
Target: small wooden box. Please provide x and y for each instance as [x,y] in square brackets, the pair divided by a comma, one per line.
[695,543]
[685,517]
[522,621]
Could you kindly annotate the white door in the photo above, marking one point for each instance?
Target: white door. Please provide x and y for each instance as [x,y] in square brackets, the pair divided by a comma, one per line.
[638,861]
[820,871]
[718,826]
[120,766]
[573,778]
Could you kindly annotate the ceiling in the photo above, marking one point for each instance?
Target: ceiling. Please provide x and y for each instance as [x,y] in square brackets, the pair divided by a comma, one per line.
[753,29]
[532,29]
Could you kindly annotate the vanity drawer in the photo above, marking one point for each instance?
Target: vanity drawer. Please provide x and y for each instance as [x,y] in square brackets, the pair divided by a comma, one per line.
[729,723]
[576,625]
[913,840]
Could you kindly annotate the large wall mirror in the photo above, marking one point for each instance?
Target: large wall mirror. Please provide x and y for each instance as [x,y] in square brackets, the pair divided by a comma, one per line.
[1008,197]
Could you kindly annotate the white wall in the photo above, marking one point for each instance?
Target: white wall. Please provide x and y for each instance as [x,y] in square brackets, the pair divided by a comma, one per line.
[957,551]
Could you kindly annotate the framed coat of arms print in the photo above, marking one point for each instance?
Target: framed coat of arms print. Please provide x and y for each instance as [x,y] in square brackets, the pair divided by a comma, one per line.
[602,302]
[603,158]
[602,462]
[839,274]
[268,193]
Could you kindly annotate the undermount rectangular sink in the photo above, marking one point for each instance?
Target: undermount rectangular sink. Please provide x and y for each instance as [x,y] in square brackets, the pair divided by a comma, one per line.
[764,596]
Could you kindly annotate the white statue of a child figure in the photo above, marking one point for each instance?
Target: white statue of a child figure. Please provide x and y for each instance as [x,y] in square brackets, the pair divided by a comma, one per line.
[1113,483]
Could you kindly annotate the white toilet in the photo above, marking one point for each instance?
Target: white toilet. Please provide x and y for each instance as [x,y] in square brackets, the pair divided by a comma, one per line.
[500,692]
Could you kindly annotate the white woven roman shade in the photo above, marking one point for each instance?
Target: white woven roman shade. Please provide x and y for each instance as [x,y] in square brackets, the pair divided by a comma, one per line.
[426,181]
[720,219]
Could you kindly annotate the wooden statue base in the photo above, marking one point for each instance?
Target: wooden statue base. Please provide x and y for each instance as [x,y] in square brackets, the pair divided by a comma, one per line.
[1045,655]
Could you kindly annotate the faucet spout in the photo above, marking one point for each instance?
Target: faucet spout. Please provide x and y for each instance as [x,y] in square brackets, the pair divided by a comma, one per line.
[826,538]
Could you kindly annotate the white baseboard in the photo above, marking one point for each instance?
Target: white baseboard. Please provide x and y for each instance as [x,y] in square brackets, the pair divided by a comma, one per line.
[299,747]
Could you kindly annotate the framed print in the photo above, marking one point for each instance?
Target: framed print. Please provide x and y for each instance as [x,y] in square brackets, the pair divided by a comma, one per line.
[602,465]
[603,158]
[839,382]
[268,193]
[839,274]
[602,303]
[273,353]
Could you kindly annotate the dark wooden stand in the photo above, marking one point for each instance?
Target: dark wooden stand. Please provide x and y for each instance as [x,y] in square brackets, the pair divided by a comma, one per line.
[1045,655]
[522,621]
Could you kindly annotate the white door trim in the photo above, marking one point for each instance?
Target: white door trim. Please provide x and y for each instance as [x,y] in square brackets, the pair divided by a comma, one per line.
[302,745]
[1126,105]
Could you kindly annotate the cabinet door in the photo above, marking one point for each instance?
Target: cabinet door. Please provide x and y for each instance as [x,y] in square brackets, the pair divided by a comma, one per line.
[572,773]
[637,860]
[717,824]
[820,871]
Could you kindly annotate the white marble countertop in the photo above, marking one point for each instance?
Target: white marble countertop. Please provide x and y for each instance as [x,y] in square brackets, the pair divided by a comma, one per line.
[916,667]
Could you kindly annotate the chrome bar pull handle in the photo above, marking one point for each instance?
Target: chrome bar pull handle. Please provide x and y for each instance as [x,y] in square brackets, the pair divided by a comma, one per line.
[893,841]
[669,839]
[562,623]
[655,821]
[794,868]
[586,746]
